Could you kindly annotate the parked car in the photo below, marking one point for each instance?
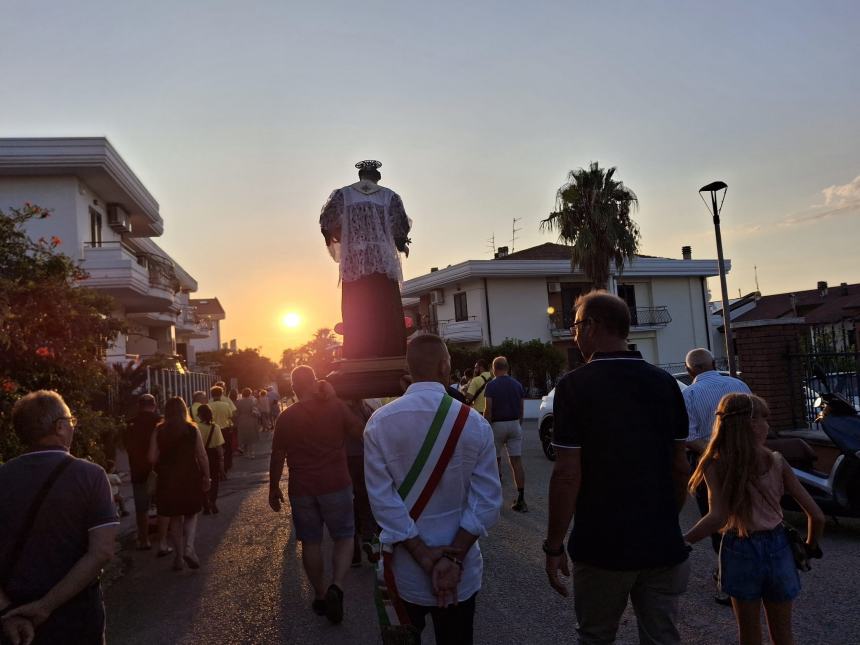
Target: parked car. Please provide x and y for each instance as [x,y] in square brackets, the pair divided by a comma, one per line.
[545,420]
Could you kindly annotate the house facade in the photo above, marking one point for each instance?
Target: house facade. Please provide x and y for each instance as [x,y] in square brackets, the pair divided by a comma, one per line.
[105,219]
[531,294]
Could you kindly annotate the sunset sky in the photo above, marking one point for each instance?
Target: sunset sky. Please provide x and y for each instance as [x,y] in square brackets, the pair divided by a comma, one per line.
[240,118]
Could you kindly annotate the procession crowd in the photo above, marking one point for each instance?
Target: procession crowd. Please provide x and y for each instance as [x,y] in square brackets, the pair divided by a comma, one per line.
[411,484]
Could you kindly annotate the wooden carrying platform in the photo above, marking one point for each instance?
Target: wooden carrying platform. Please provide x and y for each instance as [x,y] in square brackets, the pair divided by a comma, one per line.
[368,378]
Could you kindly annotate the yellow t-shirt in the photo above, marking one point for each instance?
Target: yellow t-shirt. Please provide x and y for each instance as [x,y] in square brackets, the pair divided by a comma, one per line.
[222,412]
[217,437]
[478,383]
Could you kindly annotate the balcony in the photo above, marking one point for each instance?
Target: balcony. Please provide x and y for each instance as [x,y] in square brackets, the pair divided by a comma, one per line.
[128,276]
[640,318]
[463,331]
[189,326]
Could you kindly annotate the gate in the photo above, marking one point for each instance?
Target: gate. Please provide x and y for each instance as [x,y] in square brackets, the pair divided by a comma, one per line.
[828,360]
[164,383]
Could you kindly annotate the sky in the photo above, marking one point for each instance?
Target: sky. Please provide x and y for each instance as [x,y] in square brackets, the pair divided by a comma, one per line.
[241,118]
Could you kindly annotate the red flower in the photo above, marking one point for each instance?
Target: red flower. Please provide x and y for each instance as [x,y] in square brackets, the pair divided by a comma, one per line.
[55,241]
[44,352]
[9,386]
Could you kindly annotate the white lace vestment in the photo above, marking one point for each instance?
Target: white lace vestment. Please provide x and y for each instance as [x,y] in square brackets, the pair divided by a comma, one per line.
[362,231]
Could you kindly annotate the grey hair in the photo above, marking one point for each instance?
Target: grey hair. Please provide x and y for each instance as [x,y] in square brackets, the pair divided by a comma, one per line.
[35,415]
[500,363]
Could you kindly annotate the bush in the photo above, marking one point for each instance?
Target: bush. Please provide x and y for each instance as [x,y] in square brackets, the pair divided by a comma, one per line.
[53,335]
[535,364]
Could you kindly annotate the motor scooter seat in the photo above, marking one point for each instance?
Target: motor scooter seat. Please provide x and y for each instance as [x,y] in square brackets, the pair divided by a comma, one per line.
[795,451]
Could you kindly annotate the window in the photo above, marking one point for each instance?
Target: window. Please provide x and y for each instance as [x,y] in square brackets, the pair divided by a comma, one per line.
[95,228]
[461,311]
[627,292]
[569,293]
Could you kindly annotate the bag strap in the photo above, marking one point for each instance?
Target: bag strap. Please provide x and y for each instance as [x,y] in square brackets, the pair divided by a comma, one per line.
[211,432]
[30,517]
[472,397]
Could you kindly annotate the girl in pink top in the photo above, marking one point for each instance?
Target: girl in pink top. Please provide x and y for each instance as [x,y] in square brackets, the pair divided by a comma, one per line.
[746,482]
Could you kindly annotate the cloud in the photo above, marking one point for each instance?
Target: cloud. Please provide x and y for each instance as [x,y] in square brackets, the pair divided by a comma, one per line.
[839,199]
[843,195]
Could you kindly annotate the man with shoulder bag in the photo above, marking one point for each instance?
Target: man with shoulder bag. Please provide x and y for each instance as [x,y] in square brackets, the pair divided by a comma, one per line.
[475,390]
[59,528]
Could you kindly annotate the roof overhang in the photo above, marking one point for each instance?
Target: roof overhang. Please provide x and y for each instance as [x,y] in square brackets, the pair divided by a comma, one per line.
[95,162]
[471,269]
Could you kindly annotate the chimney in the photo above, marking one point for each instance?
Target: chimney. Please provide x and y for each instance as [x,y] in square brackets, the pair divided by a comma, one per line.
[502,252]
[843,288]
[687,252]
[822,288]
[433,269]
[792,298]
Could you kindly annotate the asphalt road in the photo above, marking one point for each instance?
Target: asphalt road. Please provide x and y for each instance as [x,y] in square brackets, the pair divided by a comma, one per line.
[251,588]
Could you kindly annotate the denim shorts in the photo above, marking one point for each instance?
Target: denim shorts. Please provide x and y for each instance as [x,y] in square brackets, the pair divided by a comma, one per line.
[760,566]
[334,510]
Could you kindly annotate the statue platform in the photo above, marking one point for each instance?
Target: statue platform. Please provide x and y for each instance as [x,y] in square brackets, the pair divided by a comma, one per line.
[368,378]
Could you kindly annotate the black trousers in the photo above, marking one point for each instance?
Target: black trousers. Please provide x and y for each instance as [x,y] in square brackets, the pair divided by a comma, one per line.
[702,499]
[216,467]
[451,625]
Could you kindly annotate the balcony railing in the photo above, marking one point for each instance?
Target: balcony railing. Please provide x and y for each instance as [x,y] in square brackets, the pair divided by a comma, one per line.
[559,324]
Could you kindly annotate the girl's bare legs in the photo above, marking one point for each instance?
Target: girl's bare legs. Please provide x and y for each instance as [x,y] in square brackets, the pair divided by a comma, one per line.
[176,539]
[190,534]
[747,613]
[163,524]
[779,622]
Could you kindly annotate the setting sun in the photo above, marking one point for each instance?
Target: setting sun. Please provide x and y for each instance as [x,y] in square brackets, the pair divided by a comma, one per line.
[291,320]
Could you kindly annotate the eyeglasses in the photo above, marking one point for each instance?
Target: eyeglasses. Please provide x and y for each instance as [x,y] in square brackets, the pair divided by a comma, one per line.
[579,322]
[72,420]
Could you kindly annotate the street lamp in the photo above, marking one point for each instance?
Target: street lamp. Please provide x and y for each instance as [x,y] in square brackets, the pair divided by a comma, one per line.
[713,188]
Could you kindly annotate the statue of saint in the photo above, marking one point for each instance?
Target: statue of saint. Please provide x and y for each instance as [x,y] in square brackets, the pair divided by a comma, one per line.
[366,228]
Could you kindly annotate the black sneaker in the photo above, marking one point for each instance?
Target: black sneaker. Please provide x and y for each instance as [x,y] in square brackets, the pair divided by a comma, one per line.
[520,506]
[318,606]
[334,604]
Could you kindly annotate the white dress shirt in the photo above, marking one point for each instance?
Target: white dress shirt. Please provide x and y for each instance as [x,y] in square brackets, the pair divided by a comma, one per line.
[703,397]
[468,496]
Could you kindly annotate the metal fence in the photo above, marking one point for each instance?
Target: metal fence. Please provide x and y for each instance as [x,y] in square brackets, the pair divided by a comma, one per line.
[164,383]
[828,361]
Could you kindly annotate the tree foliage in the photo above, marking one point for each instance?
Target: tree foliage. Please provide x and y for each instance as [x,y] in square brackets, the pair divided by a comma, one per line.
[535,364]
[319,352]
[593,215]
[53,334]
[247,366]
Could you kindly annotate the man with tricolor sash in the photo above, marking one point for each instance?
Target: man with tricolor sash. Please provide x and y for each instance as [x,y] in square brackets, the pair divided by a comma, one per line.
[433,483]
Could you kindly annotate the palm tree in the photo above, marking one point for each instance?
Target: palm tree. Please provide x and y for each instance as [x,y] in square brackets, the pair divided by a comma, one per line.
[593,216]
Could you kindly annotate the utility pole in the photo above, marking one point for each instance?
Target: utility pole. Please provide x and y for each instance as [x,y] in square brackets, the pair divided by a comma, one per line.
[514,231]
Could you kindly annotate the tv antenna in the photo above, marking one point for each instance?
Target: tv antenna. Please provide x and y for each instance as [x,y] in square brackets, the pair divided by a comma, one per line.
[514,231]
[755,269]
[491,245]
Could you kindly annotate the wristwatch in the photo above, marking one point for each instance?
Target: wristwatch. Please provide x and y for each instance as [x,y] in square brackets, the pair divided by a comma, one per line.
[552,552]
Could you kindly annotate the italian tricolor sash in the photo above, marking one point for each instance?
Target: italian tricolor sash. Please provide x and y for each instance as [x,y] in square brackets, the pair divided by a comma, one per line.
[416,490]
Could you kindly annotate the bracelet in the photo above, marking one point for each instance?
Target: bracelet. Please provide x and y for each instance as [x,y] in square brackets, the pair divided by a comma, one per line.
[450,557]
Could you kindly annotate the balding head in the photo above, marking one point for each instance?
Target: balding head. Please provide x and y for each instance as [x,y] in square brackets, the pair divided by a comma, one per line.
[699,360]
[304,381]
[428,359]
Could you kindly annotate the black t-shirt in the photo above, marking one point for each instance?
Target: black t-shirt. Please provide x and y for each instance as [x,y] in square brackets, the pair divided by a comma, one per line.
[626,416]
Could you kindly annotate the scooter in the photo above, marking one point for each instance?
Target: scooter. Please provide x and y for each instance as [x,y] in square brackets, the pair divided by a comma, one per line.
[837,493]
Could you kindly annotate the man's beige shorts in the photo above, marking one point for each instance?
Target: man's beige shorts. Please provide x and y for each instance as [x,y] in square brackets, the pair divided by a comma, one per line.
[510,434]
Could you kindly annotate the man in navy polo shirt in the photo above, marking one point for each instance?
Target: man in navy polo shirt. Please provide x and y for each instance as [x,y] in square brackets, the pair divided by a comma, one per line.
[504,411]
[620,432]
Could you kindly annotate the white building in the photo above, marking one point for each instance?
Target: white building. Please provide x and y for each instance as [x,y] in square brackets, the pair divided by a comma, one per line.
[105,217]
[530,295]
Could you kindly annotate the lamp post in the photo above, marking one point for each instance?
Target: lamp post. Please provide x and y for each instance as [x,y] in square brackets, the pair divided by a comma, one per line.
[713,188]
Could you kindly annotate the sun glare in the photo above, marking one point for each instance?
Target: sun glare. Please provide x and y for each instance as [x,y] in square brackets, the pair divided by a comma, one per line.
[291,320]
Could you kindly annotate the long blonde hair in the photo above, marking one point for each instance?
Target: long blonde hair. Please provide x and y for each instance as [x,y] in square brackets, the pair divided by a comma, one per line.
[733,450]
